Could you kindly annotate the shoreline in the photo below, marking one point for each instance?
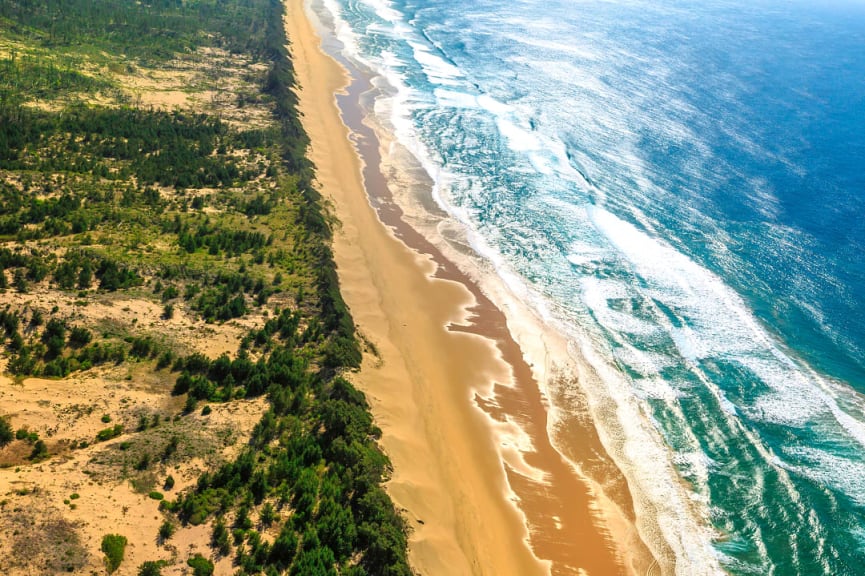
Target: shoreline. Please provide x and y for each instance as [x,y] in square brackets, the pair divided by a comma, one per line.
[448,369]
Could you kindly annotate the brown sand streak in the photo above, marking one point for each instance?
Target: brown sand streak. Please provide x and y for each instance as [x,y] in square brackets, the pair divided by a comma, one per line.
[441,342]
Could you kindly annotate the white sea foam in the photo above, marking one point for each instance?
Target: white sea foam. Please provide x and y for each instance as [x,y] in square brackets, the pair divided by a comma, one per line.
[695,465]
[596,295]
[844,474]
[658,388]
[454,99]
[343,31]
[436,69]
[797,396]
[385,10]
[720,325]
[689,344]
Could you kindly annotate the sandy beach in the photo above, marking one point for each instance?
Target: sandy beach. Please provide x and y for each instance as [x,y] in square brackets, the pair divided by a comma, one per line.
[447,382]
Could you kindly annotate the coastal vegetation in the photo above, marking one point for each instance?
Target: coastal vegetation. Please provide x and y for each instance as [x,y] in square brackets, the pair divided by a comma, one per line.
[138,223]
[114,547]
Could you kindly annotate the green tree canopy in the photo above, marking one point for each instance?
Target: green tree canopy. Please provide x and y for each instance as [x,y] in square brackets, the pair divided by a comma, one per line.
[6,433]
[114,547]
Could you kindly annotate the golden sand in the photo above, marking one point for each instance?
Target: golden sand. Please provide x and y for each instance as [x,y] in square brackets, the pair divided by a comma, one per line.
[468,512]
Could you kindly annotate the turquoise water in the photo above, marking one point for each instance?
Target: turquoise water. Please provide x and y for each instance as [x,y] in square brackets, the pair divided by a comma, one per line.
[682,185]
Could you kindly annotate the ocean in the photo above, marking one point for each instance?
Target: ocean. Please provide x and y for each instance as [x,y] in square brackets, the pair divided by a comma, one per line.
[677,188]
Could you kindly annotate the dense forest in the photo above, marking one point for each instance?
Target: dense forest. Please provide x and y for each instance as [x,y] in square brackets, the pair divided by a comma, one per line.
[201,214]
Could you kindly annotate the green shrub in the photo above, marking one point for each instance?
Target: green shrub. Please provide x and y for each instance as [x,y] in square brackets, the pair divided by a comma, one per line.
[79,337]
[109,433]
[268,514]
[190,405]
[143,462]
[167,530]
[114,547]
[200,565]
[40,451]
[165,360]
[220,538]
[150,568]
[170,448]
[6,434]
[154,495]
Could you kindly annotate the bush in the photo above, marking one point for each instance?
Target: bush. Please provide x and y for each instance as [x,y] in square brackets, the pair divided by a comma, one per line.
[40,451]
[6,434]
[268,515]
[114,547]
[220,539]
[190,405]
[166,530]
[143,462]
[79,337]
[150,568]
[200,565]
[109,433]
[165,360]
[170,448]
[154,495]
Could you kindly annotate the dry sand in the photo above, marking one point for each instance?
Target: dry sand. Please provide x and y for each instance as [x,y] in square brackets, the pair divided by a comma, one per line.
[443,350]
[38,512]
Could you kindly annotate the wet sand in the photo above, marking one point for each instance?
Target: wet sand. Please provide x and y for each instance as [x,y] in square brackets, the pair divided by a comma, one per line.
[464,421]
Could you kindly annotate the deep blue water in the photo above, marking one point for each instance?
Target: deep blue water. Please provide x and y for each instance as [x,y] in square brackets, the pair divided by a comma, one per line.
[683,184]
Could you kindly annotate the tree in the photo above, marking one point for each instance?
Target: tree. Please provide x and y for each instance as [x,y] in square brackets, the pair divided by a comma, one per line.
[150,568]
[220,539]
[79,337]
[85,276]
[200,565]
[19,281]
[284,548]
[114,547]
[40,451]
[190,405]
[166,530]
[54,337]
[336,527]
[6,433]
[268,515]
[315,561]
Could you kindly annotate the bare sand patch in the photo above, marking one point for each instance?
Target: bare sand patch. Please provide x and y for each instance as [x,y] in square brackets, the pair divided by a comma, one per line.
[78,495]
